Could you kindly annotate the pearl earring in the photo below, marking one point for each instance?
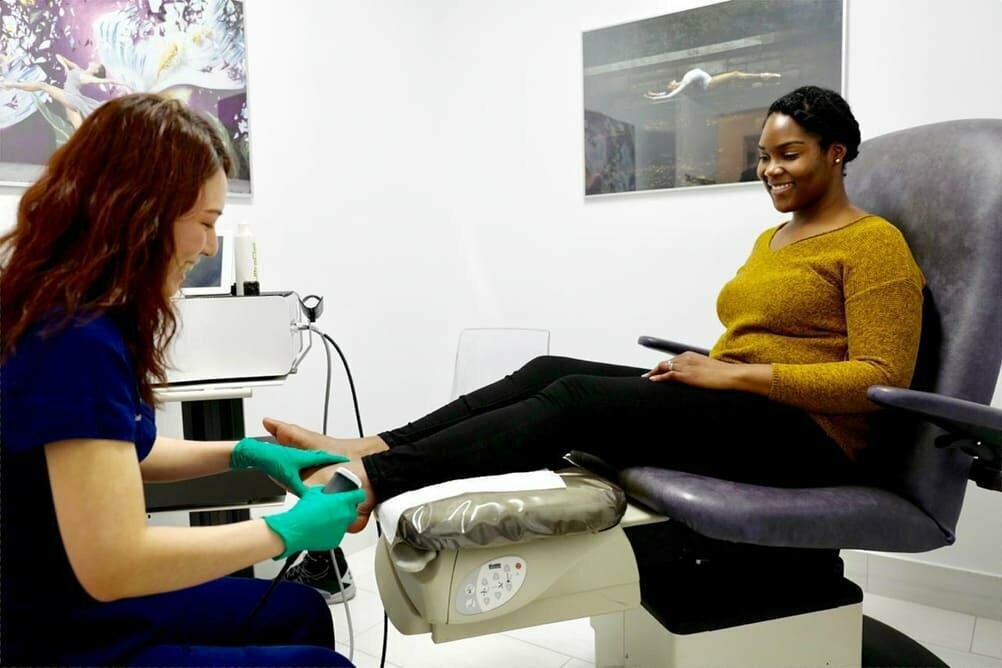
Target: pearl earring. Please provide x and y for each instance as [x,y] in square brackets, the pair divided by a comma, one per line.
[838,160]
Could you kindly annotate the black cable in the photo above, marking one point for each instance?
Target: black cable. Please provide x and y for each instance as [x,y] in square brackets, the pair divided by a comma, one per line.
[337,570]
[386,619]
[351,382]
[242,633]
[358,422]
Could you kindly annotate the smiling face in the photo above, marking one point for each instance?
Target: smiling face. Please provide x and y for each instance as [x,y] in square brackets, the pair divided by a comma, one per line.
[195,231]
[796,170]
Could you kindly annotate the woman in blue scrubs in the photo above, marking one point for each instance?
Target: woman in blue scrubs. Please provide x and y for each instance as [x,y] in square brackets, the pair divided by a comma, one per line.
[102,242]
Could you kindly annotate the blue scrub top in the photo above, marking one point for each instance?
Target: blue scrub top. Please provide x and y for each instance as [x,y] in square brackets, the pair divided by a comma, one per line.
[79,382]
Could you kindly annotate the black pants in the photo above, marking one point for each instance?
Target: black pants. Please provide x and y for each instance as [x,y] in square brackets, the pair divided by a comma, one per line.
[553,405]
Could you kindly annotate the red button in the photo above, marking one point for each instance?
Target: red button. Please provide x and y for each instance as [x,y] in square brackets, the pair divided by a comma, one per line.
[518,565]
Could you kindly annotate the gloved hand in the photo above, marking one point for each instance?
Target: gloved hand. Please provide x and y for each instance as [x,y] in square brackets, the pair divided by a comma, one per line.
[280,462]
[317,522]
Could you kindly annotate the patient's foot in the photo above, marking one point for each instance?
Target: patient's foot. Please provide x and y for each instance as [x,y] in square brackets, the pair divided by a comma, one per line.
[294,435]
[353,448]
[321,476]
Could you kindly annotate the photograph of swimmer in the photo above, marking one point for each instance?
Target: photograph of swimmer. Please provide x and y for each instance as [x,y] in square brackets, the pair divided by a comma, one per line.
[673,101]
[62,59]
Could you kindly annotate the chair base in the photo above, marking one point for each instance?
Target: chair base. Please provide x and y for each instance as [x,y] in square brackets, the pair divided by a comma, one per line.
[822,639]
[886,647]
[713,603]
[692,584]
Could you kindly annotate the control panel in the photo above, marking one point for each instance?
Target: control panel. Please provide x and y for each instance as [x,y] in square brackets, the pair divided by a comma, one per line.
[490,586]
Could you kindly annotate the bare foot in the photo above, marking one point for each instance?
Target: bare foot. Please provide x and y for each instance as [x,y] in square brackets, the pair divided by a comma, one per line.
[353,448]
[294,435]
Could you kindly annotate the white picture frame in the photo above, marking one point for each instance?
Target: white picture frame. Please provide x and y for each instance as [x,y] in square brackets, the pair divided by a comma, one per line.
[213,275]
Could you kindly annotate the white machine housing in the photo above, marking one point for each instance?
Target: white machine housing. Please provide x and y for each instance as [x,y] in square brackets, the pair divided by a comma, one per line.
[225,339]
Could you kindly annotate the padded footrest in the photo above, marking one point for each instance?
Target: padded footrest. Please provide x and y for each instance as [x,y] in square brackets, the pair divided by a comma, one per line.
[588,504]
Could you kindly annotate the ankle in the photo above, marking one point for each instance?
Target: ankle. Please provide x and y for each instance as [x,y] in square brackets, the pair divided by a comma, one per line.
[374,444]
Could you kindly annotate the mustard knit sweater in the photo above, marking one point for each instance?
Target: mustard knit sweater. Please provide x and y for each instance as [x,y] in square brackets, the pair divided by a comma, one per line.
[833,314]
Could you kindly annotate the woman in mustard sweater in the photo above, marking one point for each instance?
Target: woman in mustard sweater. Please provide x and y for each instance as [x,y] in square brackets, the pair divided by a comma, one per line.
[827,304]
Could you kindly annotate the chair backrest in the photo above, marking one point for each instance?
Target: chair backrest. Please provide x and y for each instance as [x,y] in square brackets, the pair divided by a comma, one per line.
[941,185]
[485,355]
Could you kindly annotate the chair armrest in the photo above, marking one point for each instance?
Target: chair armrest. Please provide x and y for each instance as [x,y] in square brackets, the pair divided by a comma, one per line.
[672,347]
[974,428]
[967,418]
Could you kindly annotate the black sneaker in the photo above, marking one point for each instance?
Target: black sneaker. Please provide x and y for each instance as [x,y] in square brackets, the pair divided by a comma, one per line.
[316,570]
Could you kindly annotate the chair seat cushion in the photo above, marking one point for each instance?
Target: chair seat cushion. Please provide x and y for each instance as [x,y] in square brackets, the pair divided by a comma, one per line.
[846,517]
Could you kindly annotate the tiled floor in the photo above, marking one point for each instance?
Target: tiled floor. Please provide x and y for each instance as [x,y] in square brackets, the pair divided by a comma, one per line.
[960,640]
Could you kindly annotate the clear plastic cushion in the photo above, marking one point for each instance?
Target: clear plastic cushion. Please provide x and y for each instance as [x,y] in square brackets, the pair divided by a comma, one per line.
[589,504]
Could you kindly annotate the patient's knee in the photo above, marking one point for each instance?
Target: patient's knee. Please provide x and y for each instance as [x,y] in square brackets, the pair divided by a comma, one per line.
[551,367]
[544,365]
[573,392]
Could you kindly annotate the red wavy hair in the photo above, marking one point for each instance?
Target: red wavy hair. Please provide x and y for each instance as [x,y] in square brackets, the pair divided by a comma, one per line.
[94,234]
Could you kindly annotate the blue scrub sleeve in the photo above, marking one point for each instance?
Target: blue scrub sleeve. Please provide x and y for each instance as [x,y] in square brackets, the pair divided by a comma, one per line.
[78,383]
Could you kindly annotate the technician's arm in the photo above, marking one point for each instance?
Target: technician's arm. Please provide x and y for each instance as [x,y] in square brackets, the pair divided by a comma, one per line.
[98,496]
[173,459]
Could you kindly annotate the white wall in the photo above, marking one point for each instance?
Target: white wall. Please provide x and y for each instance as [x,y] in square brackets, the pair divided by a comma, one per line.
[598,273]
[420,166]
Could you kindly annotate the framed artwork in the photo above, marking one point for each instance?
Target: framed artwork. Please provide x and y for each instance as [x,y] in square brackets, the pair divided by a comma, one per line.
[213,275]
[61,59]
[678,101]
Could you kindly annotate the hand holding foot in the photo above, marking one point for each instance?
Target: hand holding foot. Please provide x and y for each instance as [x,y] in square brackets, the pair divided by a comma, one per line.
[321,477]
[353,448]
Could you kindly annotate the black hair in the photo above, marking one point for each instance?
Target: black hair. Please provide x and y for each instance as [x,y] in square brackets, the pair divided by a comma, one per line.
[824,113]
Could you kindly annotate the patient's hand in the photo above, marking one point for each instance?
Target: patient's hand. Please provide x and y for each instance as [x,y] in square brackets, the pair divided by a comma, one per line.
[697,370]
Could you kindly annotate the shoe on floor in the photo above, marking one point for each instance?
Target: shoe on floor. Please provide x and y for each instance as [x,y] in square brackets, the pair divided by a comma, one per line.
[316,569]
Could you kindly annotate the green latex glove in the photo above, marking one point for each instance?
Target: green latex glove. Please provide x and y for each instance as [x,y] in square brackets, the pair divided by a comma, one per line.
[317,522]
[280,462]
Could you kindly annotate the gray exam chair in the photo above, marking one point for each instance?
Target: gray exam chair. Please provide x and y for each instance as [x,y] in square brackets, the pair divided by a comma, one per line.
[739,559]
[698,571]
